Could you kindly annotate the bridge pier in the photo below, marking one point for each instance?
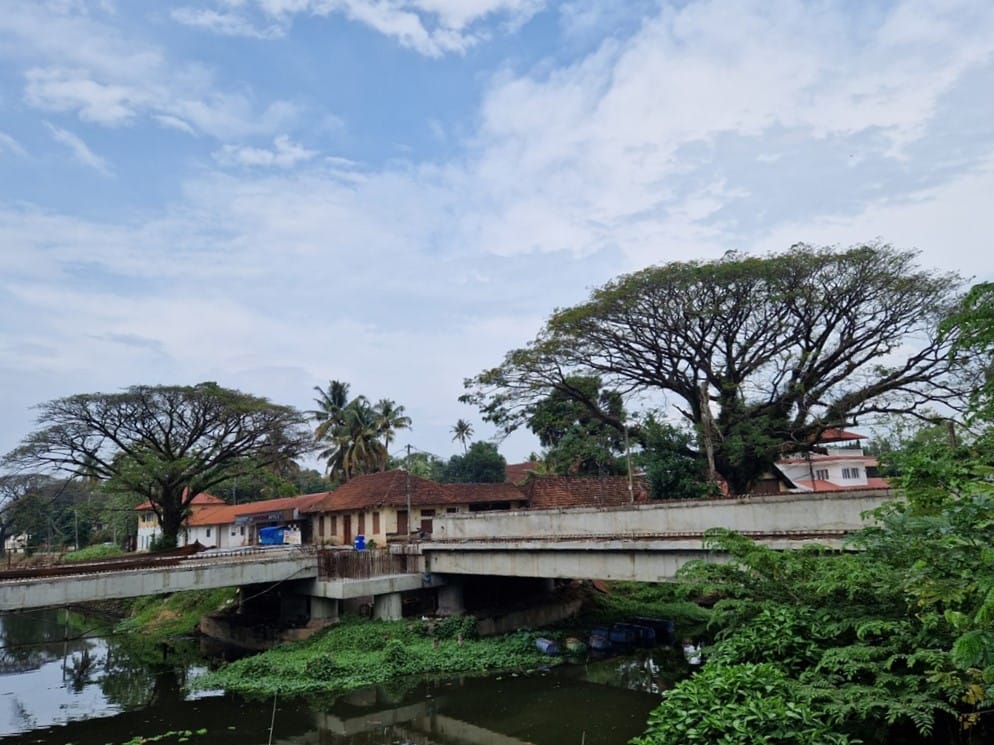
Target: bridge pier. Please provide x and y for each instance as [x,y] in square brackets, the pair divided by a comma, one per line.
[388,607]
[324,609]
[450,598]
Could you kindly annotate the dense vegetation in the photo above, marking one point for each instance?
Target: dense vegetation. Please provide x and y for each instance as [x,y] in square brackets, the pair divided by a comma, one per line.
[360,652]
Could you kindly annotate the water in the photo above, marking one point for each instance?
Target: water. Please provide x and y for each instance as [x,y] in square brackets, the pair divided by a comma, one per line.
[95,691]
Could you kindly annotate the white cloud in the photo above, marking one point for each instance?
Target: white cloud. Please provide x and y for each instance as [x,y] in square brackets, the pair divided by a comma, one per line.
[614,149]
[79,149]
[225,23]
[11,145]
[75,61]
[430,27]
[284,154]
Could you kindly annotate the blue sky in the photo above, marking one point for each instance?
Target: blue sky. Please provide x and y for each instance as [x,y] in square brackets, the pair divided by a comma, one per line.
[275,193]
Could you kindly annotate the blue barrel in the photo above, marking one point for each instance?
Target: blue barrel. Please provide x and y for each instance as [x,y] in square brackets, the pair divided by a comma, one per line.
[359,542]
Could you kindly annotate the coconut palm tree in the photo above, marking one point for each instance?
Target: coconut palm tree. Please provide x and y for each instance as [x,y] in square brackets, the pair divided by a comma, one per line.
[390,417]
[462,431]
[331,401]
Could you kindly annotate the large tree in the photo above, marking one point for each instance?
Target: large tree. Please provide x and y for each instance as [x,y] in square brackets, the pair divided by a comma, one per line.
[759,354]
[165,443]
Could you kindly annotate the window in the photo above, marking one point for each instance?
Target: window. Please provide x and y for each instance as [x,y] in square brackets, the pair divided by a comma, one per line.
[334,524]
[850,473]
[321,526]
[451,510]
[821,474]
[208,532]
[376,523]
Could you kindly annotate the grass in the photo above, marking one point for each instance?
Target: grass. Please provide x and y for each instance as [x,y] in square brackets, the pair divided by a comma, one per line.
[157,618]
[90,553]
[625,600]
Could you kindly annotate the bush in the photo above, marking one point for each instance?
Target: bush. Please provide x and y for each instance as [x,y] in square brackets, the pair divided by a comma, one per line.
[738,705]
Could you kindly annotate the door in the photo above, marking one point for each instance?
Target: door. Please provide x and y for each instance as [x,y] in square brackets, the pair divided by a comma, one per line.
[347,529]
[402,527]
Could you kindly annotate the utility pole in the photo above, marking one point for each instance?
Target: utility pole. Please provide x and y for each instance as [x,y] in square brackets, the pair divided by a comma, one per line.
[407,491]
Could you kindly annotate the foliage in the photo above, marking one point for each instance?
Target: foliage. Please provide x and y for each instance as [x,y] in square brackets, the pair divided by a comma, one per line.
[462,431]
[481,464]
[972,327]
[165,443]
[157,618]
[53,513]
[739,705]
[625,600]
[868,636]
[760,354]
[360,652]
[672,468]
[355,433]
[578,440]
[89,553]
[419,463]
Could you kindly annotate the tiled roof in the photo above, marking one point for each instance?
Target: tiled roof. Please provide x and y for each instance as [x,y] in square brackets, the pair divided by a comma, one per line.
[225,514]
[391,488]
[203,499]
[516,473]
[839,435]
[820,485]
[548,492]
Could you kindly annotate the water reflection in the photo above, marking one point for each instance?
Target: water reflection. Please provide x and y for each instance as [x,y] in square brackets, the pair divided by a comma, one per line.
[93,692]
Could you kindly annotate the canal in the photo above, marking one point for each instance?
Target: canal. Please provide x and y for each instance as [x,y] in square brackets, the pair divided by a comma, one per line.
[65,679]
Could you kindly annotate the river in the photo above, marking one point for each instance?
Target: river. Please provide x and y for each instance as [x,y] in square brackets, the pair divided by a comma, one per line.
[58,688]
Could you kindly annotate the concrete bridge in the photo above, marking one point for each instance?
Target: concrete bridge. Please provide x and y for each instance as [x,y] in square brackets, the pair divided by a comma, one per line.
[645,543]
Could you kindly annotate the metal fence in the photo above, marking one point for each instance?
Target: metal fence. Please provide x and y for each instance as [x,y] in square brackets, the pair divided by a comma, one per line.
[350,564]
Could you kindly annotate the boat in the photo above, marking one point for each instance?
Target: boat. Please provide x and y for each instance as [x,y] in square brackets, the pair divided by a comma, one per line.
[547,646]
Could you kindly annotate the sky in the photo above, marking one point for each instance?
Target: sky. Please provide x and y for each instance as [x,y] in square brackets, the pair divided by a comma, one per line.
[271,194]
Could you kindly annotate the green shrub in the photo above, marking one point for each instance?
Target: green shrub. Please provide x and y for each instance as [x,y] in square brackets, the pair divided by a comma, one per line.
[738,705]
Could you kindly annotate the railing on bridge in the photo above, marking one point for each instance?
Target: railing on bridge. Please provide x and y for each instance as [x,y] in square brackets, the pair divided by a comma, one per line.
[343,563]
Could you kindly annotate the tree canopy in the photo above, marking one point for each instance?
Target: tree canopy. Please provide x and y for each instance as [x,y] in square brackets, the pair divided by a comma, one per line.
[165,443]
[481,464]
[760,355]
[576,441]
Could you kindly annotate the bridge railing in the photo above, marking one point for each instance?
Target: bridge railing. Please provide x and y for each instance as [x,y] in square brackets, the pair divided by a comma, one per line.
[349,564]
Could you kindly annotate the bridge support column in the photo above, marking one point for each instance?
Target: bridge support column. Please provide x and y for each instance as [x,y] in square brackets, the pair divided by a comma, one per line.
[450,599]
[324,609]
[388,607]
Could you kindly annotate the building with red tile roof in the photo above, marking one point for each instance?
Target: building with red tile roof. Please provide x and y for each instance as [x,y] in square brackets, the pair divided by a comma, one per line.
[214,523]
[394,504]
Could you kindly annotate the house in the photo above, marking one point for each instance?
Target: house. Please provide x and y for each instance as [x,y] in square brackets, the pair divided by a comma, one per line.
[214,523]
[148,521]
[843,465]
[395,504]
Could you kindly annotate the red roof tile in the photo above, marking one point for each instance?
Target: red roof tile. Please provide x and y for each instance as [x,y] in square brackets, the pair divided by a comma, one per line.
[391,488]
[548,492]
[226,513]
[203,499]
